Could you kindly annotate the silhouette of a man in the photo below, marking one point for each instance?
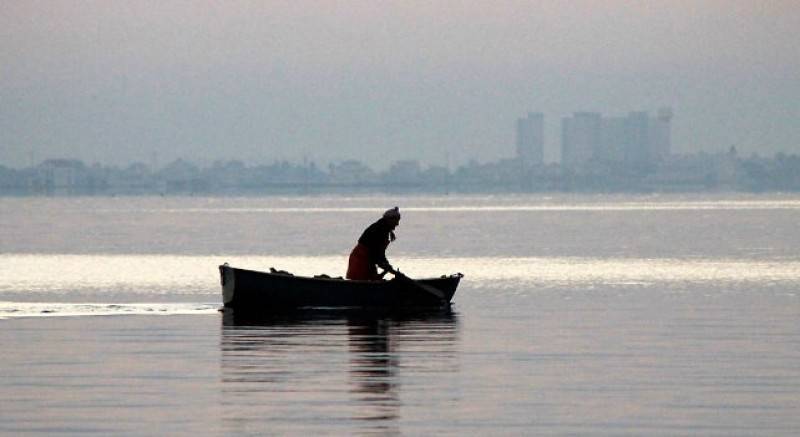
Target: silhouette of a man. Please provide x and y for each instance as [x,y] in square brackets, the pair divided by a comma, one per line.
[370,252]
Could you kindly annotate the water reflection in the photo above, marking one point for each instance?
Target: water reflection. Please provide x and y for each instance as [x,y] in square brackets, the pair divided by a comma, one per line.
[322,370]
[373,368]
[43,277]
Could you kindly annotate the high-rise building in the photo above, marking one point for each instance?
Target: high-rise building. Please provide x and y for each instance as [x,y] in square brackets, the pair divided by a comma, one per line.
[530,139]
[635,139]
[660,134]
[580,138]
[612,140]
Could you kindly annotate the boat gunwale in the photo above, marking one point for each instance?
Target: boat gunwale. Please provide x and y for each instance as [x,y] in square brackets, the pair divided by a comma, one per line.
[339,280]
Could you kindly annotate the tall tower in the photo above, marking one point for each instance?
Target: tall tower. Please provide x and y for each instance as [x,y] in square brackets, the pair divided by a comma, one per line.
[580,138]
[530,140]
[661,134]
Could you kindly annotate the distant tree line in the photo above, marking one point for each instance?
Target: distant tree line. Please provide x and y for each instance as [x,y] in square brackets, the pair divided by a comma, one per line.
[679,173]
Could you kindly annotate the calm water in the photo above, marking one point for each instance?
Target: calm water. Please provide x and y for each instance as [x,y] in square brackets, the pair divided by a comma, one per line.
[596,315]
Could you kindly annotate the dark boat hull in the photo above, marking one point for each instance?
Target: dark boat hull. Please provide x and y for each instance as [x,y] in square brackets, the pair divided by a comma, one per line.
[248,290]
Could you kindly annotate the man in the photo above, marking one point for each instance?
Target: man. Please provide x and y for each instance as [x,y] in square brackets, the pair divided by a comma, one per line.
[371,249]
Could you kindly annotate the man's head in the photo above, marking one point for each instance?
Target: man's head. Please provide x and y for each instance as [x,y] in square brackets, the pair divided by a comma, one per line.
[392,216]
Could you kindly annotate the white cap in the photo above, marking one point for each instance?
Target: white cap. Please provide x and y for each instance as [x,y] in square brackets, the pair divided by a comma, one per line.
[392,213]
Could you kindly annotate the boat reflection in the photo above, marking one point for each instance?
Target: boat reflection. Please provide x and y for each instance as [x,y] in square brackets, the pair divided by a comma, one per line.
[373,367]
[328,368]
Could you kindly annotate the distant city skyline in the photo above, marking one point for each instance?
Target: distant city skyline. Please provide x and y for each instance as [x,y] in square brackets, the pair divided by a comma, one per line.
[597,136]
[593,167]
[440,82]
[637,138]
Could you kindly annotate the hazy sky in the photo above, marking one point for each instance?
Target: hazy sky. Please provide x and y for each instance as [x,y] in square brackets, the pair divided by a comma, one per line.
[115,81]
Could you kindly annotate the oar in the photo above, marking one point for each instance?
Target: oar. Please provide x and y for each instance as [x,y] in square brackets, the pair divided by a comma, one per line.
[419,285]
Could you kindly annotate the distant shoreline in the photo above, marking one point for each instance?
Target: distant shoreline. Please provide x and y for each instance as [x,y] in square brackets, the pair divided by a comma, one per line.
[721,172]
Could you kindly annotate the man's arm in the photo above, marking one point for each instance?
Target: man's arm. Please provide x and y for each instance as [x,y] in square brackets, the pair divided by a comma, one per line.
[383,263]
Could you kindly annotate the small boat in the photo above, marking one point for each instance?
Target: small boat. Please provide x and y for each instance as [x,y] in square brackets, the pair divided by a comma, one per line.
[256,291]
